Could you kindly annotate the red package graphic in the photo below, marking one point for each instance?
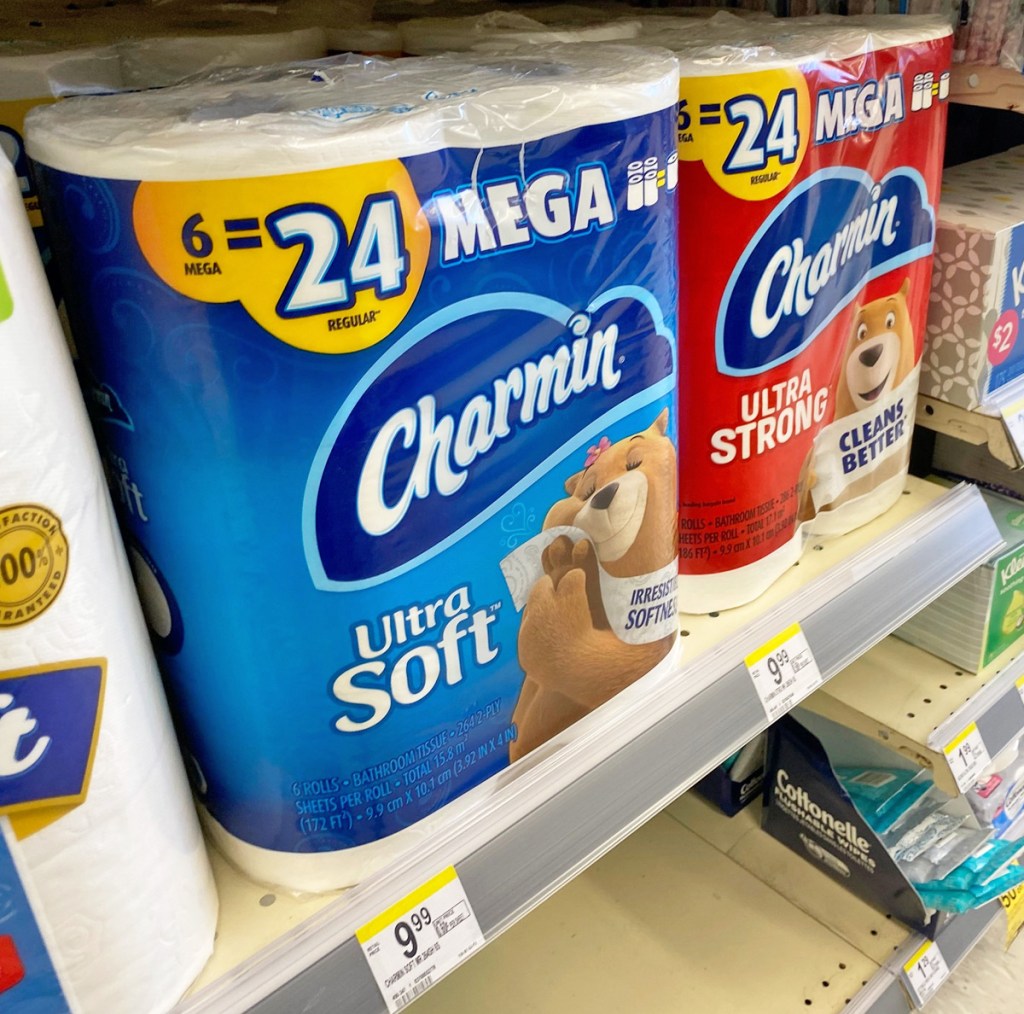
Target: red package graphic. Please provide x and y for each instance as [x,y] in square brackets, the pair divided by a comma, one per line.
[809,174]
[12,971]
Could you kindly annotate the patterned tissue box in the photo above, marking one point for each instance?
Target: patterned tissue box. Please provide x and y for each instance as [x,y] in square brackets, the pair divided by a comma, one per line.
[974,343]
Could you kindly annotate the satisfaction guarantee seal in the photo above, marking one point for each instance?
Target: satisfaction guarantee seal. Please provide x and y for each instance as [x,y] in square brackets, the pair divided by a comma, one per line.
[33,562]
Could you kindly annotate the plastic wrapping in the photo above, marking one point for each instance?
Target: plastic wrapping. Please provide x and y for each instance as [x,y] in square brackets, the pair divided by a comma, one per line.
[425,36]
[424,362]
[366,38]
[191,45]
[809,162]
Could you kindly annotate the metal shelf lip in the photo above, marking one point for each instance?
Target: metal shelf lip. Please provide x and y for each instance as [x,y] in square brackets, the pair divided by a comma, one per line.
[519,840]
[956,940]
[997,709]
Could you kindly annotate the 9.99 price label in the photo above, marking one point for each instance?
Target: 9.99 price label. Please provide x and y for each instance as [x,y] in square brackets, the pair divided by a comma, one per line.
[783,671]
[419,939]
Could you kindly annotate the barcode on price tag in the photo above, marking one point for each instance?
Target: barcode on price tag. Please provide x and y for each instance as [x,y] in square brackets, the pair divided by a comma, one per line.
[967,757]
[925,972]
[420,939]
[1013,419]
[783,671]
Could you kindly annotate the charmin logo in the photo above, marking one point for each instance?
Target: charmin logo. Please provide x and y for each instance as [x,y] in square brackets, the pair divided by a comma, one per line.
[446,446]
[424,451]
[832,234]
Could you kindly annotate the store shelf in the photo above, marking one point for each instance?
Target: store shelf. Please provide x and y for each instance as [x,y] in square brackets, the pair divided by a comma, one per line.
[992,87]
[665,923]
[916,703]
[999,423]
[524,835]
[698,912]
[886,942]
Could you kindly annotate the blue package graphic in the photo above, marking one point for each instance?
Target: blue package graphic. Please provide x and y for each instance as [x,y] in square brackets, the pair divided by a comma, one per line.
[399,486]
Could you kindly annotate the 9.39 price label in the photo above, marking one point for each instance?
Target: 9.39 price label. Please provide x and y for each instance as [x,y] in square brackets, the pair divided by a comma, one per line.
[419,939]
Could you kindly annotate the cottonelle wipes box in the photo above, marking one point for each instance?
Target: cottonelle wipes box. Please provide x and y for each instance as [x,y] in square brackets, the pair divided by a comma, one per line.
[981,616]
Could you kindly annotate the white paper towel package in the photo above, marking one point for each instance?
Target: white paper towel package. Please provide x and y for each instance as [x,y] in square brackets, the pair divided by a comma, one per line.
[307,274]
[99,820]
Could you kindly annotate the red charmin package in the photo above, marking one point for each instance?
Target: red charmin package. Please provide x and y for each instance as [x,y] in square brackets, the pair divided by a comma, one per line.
[810,160]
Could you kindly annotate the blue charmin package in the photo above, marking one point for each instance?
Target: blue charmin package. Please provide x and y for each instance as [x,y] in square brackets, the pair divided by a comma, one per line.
[383,360]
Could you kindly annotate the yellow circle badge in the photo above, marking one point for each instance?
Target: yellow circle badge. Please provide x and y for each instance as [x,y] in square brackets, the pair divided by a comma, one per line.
[751,131]
[33,562]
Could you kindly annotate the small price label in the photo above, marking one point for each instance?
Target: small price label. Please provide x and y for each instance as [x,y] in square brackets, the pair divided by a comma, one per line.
[1013,906]
[1013,419]
[1020,688]
[783,671]
[967,757]
[925,972]
[419,939]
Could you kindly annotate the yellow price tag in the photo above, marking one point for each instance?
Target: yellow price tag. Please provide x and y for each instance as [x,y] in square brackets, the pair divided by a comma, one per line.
[1013,905]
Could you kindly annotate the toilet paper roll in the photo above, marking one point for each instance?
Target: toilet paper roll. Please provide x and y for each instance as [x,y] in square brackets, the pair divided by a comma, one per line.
[426,36]
[295,798]
[788,439]
[120,882]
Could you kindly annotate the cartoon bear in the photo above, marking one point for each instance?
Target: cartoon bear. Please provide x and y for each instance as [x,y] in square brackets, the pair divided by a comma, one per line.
[879,355]
[625,501]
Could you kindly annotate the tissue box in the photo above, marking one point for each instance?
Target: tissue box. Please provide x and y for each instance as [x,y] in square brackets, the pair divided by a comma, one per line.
[973,340]
[981,616]
[807,809]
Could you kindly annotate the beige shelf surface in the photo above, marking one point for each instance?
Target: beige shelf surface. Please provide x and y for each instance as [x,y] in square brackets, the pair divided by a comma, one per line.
[915,703]
[792,876]
[664,923]
[251,917]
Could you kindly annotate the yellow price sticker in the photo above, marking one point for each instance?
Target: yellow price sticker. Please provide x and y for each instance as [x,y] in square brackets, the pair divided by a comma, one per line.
[1013,905]
[783,671]
[419,939]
